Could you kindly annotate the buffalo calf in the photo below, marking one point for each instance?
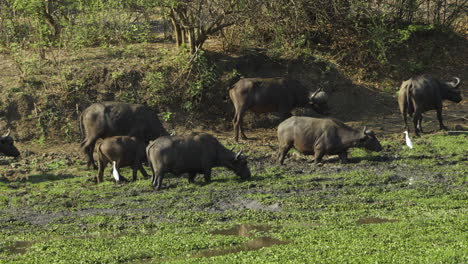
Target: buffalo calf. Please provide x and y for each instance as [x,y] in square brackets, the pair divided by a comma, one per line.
[319,137]
[125,151]
[192,154]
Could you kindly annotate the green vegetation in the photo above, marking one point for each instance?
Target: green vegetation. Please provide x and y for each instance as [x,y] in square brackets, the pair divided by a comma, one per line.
[61,216]
[180,56]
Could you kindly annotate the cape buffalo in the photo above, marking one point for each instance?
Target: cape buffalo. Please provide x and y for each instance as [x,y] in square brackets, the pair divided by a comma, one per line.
[107,119]
[423,93]
[319,137]
[125,151]
[265,95]
[194,153]
[7,146]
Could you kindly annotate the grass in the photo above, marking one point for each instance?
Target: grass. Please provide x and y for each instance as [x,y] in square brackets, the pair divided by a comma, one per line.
[314,210]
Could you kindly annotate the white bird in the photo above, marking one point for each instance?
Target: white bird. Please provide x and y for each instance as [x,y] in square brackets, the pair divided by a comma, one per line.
[115,173]
[408,140]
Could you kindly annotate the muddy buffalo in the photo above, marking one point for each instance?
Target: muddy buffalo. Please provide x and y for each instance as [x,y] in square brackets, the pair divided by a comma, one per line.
[107,119]
[7,146]
[192,154]
[125,151]
[319,137]
[265,95]
[423,93]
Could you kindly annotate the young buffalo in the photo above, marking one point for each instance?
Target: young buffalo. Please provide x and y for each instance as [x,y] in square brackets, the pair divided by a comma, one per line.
[194,153]
[125,151]
[319,137]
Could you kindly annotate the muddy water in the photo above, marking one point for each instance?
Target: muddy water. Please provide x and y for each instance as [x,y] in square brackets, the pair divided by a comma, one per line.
[243,231]
[254,244]
[20,247]
[374,220]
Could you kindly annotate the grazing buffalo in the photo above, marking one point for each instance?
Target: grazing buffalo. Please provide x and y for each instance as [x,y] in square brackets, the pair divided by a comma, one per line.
[192,154]
[265,95]
[423,93]
[124,151]
[107,119]
[7,146]
[319,137]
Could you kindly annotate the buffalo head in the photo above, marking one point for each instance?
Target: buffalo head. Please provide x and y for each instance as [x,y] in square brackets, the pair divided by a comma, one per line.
[7,146]
[318,101]
[239,165]
[369,141]
[453,90]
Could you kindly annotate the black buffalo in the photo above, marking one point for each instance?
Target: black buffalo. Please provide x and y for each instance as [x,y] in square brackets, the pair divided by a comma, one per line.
[7,146]
[107,119]
[265,95]
[423,93]
[319,137]
[192,154]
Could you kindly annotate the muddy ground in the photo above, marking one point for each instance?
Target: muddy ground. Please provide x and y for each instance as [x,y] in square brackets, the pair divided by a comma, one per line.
[50,204]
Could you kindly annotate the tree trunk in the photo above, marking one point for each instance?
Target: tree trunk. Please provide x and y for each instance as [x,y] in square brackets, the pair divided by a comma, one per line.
[177,29]
[192,40]
[51,21]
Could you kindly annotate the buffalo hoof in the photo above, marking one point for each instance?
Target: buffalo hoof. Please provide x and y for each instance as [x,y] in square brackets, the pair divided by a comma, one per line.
[122,180]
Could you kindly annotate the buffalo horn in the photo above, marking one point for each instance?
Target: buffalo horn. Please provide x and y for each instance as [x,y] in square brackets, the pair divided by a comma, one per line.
[457,82]
[316,92]
[238,155]
[7,133]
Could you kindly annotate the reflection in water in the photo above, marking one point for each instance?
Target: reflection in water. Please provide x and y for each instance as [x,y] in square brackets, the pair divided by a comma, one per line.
[20,247]
[242,230]
[255,244]
[375,220]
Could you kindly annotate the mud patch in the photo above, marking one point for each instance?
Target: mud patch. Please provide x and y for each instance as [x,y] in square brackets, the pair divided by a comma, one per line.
[255,244]
[244,230]
[251,204]
[20,247]
[375,220]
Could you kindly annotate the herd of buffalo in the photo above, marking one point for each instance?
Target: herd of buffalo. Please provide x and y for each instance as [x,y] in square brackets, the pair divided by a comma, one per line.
[130,134]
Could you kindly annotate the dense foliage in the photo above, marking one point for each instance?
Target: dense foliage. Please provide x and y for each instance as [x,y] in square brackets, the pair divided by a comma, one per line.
[50,42]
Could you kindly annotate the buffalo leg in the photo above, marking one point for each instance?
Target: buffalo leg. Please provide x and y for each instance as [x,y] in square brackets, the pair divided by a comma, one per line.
[142,170]
[405,119]
[439,117]
[419,124]
[242,128]
[134,172]
[117,167]
[417,116]
[207,175]
[318,156]
[102,165]
[191,178]
[237,122]
[88,148]
[157,180]
[234,124]
[343,157]
[282,153]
